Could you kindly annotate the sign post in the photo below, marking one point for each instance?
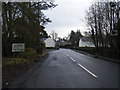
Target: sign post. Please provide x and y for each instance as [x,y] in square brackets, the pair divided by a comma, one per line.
[18,47]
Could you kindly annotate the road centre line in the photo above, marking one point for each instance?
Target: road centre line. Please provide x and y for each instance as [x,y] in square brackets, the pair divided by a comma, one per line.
[87,70]
[66,54]
[83,67]
[72,59]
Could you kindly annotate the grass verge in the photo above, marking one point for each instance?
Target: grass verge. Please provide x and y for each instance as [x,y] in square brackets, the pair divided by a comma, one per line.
[18,64]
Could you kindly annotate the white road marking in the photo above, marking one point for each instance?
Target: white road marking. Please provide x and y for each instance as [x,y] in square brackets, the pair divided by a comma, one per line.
[72,59]
[67,55]
[87,70]
[82,67]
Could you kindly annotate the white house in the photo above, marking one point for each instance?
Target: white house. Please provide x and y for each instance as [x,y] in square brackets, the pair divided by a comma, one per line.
[86,42]
[49,42]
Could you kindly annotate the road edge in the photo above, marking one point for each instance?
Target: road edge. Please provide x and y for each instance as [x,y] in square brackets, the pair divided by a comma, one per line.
[98,56]
[22,79]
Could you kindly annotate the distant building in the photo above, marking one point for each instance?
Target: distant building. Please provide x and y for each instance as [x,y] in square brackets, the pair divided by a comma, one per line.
[86,41]
[49,42]
[62,43]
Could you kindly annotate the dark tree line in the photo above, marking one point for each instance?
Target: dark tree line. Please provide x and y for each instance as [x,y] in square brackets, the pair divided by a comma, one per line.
[103,20]
[74,38]
[24,22]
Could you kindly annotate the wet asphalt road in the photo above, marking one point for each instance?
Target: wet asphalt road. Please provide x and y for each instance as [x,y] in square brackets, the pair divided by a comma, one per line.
[65,68]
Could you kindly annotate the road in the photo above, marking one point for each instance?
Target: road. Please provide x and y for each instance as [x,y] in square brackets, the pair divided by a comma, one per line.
[65,68]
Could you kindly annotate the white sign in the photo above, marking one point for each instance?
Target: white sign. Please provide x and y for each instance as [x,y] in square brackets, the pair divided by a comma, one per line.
[18,47]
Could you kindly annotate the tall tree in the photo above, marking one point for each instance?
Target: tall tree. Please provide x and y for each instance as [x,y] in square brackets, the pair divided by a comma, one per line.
[23,22]
[72,38]
[75,37]
[102,18]
[78,35]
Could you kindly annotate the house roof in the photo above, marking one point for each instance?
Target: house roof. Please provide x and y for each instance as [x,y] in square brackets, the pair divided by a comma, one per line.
[43,39]
[86,39]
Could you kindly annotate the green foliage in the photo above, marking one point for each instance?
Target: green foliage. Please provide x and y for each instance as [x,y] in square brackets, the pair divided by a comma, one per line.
[75,37]
[11,61]
[27,57]
[43,45]
[23,22]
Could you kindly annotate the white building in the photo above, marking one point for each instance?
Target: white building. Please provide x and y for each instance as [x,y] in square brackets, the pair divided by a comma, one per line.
[49,42]
[86,42]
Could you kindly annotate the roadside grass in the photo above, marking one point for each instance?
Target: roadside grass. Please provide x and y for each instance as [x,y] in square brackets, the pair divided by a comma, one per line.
[19,63]
[23,57]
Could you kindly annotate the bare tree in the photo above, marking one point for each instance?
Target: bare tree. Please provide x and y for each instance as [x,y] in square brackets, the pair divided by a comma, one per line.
[102,18]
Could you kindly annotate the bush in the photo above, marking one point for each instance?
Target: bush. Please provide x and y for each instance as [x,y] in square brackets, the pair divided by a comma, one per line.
[43,45]
[103,51]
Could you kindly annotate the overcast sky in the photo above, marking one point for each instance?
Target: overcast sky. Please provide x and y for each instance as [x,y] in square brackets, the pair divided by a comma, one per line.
[68,15]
